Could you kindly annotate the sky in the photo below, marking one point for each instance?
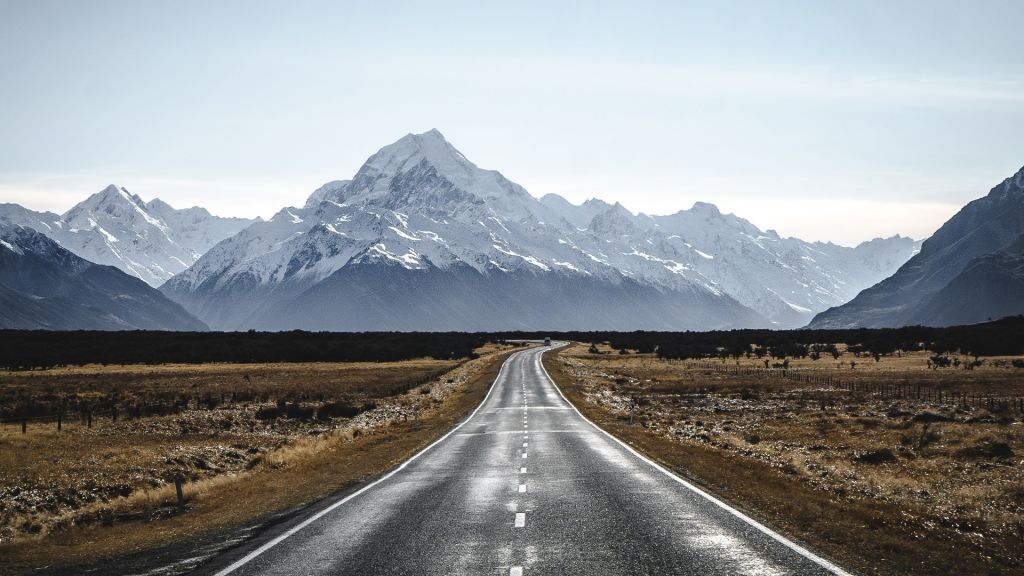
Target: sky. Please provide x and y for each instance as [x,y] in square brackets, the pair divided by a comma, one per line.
[838,121]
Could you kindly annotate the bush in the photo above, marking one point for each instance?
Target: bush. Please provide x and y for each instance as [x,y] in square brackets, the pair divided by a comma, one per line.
[882,456]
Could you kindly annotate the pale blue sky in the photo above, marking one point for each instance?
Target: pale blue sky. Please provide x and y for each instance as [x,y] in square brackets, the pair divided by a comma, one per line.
[825,120]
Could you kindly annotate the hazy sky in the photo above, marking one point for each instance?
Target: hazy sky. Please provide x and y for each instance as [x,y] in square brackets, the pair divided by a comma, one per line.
[824,120]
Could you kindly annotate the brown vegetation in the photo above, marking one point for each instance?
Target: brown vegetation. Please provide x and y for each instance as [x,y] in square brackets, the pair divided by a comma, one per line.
[283,435]
[885,483]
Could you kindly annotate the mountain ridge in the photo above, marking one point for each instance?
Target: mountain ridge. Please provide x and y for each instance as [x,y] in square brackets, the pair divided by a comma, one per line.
[45,286]
[151,241]
[420,204]
[983,228]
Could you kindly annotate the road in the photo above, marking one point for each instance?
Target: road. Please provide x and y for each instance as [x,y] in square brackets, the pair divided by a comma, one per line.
[524,486]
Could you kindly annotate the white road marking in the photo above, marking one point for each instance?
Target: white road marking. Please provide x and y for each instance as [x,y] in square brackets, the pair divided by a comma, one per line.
[524,444]
[520,519]
[522,487]
[257,552]
[750,521]
[515,571]
[522,470]
[524,454]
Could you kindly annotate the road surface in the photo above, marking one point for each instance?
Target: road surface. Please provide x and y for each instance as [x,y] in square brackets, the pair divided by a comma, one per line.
[525,486]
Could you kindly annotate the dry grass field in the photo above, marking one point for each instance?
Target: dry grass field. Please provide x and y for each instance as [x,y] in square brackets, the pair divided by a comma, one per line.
[248,440]
[886,482]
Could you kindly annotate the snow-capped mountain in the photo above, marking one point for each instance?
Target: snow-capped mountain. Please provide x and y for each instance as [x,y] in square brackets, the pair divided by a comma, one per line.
[45,286]
[786,280]
[421,238]
[149,241]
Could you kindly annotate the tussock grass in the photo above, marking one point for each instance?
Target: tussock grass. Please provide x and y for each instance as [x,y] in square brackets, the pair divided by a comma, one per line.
[882,485]
[284,463]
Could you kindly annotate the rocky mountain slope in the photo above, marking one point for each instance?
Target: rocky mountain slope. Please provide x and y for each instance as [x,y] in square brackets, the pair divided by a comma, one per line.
[421,238]
[970,270]
[44,286]
[149,241]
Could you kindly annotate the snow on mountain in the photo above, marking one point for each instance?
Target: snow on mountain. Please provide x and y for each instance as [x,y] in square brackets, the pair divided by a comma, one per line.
[45,286]
[149,241]
[419,206]
[786,280]
[420,209]
[579,216]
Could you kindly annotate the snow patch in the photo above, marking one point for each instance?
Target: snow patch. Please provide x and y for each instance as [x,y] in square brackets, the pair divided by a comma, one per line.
[529,259]
[403,234]
[333,230]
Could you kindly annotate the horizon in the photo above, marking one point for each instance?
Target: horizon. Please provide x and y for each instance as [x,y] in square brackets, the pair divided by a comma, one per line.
[259,217]
[799,117]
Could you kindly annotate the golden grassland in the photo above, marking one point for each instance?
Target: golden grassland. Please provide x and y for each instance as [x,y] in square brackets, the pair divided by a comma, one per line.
[87,493]
[885,484]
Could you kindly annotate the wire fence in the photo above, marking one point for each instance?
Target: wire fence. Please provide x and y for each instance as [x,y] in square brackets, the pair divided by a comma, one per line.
[893,390]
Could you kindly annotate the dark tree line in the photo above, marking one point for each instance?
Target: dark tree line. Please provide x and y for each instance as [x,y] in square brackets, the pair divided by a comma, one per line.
[999,338]
[25,350]
[22,350]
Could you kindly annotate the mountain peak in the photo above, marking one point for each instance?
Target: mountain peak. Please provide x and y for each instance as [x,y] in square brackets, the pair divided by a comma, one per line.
[1015,182]
[596,203]
[427,168]
[433,134]
[411,149]
[706,208]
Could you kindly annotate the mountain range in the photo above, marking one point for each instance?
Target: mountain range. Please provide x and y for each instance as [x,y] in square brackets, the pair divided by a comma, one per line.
[971,270]
[152,242]
[420,238]
[44,286]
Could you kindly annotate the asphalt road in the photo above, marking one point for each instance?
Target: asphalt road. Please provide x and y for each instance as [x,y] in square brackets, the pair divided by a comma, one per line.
[526,485]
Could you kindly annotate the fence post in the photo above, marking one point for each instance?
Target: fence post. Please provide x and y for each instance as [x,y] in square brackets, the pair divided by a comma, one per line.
[88,418]
[60,416]
[179,489]
[24,426]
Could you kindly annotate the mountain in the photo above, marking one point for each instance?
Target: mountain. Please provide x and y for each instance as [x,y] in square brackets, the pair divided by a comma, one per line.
[785,280]
[44,286]
[579,216]
[421,238]
[149,241]
[970,270]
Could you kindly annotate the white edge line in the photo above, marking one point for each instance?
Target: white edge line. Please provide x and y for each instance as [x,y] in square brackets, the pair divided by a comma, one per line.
[761,527]
[257,552]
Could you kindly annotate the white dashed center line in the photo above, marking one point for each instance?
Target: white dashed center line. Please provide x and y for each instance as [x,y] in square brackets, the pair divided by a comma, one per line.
[524,454]
[522,488]
[516,571]
[524,444]
[522,470]
[520,519]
